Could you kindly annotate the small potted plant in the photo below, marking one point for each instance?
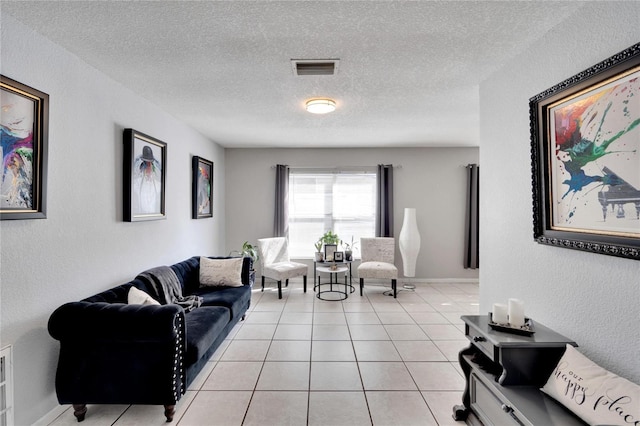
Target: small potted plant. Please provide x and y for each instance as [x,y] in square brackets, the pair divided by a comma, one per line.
[348,249]
[319,255]
[330,238]
[248,250]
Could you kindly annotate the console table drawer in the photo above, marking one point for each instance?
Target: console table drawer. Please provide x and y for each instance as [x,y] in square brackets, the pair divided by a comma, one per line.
[489,407]
[482,343]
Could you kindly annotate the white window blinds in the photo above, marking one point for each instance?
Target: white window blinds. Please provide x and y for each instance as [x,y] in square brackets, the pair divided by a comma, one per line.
[343,201]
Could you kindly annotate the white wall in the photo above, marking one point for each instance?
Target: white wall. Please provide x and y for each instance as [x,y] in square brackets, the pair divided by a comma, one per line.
[83,246]
[593,299]
[433,180]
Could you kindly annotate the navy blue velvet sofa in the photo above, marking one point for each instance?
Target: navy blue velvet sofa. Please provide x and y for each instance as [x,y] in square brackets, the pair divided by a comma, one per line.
[115,353]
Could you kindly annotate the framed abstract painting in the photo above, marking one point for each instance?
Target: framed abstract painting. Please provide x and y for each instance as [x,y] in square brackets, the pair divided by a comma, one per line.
[145,170]
[585,151]
[202,188]
[24,132]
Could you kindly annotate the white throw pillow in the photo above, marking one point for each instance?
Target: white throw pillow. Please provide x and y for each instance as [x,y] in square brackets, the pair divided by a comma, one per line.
[139,297]
[221,272]
[596,395]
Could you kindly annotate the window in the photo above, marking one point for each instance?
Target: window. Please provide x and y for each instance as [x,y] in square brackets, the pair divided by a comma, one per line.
[343,201]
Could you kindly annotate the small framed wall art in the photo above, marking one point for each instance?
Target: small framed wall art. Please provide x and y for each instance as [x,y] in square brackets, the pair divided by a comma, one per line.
[338,256]
[24,136]
[585,151]
[145,170]
[202,188]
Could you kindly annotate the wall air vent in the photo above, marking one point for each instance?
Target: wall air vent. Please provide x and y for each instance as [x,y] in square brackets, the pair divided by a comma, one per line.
[315,66]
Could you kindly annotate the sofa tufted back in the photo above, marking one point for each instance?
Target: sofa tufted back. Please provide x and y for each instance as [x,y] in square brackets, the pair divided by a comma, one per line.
[187,271]
[119,293]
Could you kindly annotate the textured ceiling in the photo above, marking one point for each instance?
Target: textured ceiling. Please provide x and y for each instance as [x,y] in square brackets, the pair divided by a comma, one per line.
[408,75]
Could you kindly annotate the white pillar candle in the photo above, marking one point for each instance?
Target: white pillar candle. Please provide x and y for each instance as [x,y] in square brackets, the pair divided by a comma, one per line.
[499,314]
[516,312]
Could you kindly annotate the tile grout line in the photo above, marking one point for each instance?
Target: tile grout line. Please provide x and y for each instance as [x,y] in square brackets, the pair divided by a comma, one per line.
[364,392]
[314,311]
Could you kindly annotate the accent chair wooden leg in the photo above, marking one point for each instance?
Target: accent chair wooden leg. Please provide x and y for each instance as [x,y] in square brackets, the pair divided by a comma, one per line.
[79,410]
[361,285]
[286,282]
[394,284]
[304,283]
[279,289]
[262,283]
[169,412]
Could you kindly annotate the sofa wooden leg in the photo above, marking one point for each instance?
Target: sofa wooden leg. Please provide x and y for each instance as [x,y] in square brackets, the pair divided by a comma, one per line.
[361,285]
[394,284]
[263,283]
[79,410]
[169,412]
[304,283]
[279,289]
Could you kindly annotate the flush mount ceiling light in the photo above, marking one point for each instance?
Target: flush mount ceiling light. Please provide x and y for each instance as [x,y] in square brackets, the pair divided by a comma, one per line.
[320,106]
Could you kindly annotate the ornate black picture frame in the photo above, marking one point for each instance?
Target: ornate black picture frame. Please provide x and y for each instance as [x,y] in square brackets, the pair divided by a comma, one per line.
[201,188]
[25,137]
[145,171]
[585,153]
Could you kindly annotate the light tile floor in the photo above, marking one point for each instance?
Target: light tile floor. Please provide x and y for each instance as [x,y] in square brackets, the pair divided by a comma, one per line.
[371,360]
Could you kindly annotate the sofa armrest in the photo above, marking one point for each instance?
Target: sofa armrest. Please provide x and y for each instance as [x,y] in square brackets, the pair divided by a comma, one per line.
[247,267]
[85,320]
[112,353]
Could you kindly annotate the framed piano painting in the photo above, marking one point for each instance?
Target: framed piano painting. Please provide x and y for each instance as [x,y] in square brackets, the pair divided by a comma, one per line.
[585,152]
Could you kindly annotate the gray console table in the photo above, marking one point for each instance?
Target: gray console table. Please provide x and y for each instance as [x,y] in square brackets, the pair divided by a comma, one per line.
[504,373]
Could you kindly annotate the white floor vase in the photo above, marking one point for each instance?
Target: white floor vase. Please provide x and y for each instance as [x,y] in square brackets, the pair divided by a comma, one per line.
[409,242]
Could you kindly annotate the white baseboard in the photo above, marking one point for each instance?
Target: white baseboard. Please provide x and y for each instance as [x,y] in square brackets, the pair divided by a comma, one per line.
[439,280]
[400,279]
[403,280]
[52,415]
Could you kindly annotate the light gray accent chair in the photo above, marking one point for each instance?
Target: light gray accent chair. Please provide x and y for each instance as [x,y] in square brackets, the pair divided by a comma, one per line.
[378,258]
[274,258]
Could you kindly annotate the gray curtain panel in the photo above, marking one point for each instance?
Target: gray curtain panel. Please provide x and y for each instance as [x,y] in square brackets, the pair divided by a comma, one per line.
[384,211]
[281,222]
[471,247]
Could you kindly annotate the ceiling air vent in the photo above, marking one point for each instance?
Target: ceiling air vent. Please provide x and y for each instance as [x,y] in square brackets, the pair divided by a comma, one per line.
[314,66]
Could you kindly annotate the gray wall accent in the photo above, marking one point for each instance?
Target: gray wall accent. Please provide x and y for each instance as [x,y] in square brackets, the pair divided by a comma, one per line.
[590,298]
[83,246]
[431,179]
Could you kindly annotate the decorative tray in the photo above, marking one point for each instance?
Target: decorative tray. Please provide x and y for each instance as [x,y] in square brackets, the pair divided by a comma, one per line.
[526,330]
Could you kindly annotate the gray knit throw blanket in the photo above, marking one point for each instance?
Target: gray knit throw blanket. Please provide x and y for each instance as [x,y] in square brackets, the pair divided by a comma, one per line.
[168,289]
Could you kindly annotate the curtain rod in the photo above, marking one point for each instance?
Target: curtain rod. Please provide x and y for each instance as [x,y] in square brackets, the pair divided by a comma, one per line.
[395,166]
